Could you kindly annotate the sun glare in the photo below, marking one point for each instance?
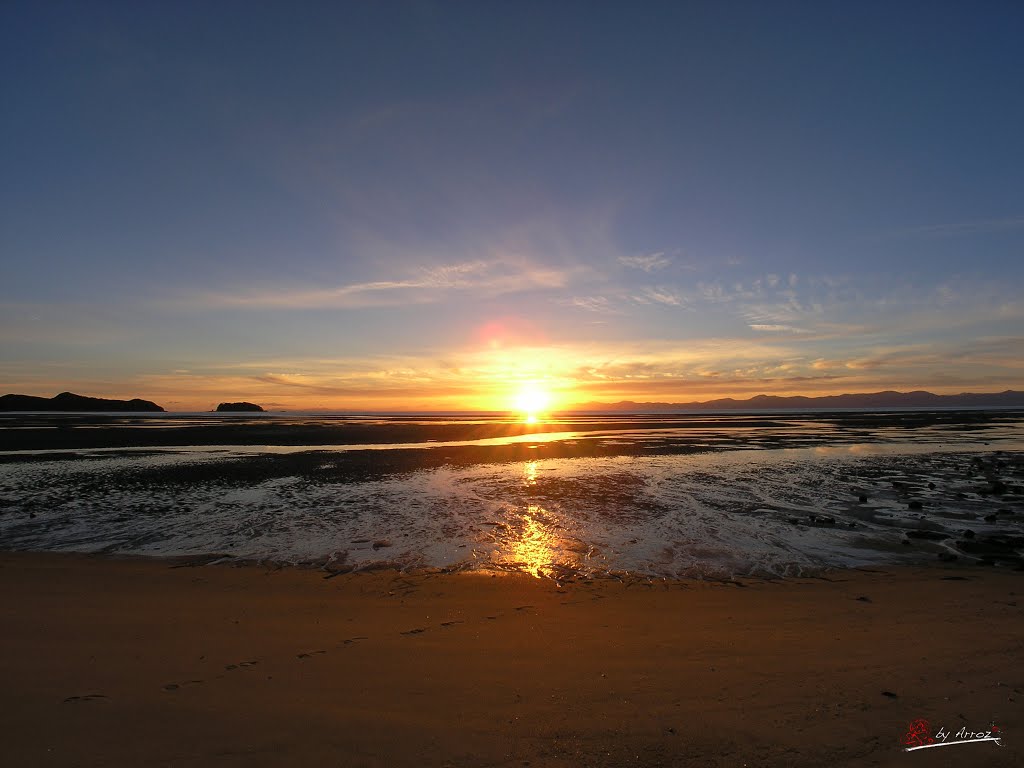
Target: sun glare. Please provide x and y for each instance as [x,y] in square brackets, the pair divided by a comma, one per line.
[532,402]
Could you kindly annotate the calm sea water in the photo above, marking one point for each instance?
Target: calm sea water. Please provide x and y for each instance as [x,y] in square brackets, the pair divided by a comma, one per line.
[667,496]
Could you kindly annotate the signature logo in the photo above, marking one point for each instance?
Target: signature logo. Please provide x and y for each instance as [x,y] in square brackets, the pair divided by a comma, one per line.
[920,735]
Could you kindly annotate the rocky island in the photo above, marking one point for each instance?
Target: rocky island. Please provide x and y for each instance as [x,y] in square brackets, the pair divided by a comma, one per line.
[68,401]
[239,408]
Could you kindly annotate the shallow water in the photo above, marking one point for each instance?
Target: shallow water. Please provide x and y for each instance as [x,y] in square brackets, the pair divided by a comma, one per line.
[662,501]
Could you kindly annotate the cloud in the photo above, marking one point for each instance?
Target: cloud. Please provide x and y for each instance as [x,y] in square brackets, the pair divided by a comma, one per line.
[769,328]
[650,263]
[487,278]
[600,304]
[659,295]
[479,376]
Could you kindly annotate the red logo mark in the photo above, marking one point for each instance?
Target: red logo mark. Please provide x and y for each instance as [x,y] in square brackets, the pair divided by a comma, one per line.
[918,734]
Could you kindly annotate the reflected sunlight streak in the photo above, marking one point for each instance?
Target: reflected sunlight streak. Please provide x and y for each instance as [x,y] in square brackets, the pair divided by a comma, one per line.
[533,549]
[534,539]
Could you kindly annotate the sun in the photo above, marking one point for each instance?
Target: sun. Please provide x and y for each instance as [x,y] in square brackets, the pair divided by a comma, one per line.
[532,401]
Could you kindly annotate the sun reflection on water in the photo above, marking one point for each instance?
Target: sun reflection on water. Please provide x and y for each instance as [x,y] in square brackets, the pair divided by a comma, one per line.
[531,542]
[537,539]
[530,473]
[534,549]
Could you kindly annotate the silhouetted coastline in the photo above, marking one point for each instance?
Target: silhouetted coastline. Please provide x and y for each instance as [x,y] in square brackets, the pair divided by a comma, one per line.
[70,402]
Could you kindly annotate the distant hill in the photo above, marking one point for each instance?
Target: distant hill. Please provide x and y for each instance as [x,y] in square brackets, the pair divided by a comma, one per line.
[67,401]
[888,399]
[243,407]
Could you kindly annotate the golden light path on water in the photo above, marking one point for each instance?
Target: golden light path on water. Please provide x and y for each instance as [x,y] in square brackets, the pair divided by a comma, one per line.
[533,546]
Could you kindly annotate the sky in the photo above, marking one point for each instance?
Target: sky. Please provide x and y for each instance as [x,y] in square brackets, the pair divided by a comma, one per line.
[434,205]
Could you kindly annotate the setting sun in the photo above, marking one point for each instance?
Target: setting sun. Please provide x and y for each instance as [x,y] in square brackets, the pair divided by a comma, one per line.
[532,401]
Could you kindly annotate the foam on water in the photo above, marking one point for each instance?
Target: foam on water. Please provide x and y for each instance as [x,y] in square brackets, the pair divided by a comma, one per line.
[776,512]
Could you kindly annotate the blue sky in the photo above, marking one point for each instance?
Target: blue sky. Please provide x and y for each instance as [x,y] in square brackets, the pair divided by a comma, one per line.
[432,205]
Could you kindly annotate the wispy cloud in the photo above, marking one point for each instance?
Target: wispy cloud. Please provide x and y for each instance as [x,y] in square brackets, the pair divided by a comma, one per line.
[769,328]
[659,295]
[424,286]
[599,304]
[649,263]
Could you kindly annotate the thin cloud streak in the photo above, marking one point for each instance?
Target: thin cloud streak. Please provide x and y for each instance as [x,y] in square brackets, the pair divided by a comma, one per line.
[777,328]
[650,263]
[659,295]
[484,278]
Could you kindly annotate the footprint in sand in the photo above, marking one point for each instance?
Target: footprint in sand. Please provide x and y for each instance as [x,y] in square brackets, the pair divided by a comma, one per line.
[354,640]
[229,667]
[308,654]
[176,686]
[416,631]
[87,697]
[452,623]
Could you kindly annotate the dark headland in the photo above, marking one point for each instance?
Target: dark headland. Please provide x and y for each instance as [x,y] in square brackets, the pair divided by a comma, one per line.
[68,401]
[239,407]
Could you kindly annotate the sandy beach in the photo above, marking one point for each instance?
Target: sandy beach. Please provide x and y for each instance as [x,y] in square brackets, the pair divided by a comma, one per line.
[129,662]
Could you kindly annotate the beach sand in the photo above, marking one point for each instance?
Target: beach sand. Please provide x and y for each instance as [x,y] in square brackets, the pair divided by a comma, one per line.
[133,662]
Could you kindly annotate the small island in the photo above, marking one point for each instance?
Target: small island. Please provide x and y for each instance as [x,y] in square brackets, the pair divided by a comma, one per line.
[239,407]
[71,403]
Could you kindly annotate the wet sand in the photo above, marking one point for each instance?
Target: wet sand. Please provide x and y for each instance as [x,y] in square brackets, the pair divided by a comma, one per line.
[717,513]
[129,662]
[54,431]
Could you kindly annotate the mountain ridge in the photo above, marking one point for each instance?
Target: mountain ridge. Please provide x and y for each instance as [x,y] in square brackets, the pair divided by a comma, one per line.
[886,399]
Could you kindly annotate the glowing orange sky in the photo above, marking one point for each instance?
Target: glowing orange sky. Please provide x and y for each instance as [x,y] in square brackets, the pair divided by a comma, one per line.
[385,207]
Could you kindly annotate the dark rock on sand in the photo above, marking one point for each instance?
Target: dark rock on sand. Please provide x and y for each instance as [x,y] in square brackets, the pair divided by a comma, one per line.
[242,407]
